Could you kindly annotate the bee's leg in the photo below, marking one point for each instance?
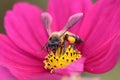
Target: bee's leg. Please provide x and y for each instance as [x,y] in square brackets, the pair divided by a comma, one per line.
[64,45]
[47,50]
[73,46]
[60,50]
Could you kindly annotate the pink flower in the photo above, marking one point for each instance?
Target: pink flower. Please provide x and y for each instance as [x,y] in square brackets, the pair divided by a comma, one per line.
[25,35]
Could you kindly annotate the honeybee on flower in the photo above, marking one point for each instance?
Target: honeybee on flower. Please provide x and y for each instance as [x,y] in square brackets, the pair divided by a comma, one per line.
[26,35]
[57,43]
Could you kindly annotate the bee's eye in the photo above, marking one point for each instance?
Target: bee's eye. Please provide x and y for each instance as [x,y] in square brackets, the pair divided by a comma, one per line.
[53,44]
[50,38]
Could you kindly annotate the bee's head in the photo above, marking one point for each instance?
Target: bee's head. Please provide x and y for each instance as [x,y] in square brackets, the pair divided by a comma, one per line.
[54,42]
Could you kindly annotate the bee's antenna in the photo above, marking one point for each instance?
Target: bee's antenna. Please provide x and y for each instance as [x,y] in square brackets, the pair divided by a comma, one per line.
[43,47]
[71,22]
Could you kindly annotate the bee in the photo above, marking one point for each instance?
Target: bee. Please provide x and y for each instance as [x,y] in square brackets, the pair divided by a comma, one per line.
[58,39]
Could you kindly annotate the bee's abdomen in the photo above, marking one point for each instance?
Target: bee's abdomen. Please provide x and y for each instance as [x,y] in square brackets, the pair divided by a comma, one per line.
[78,40]
[72,39]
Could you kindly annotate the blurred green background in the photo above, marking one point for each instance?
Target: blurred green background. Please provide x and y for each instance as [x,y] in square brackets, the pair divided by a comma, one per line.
[7,4]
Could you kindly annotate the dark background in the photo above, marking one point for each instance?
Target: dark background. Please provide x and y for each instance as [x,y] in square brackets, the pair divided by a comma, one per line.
[7,4]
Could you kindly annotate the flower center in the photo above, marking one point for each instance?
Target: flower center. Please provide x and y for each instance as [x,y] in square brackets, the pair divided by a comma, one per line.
[61,59]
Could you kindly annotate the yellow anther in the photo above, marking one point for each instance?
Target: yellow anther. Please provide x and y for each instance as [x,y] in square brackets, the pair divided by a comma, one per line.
[57,60]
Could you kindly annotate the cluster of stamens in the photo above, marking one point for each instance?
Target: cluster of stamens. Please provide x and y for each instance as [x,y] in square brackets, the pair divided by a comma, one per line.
[61,58]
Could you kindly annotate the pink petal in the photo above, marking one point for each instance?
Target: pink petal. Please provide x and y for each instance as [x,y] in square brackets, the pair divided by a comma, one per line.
[61,10]
[23,26]
[76,67]
[5,74]
[100,31]
[21,63]
[47,76]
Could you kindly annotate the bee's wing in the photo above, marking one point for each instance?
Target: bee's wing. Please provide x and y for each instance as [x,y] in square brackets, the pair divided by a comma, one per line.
[71,22]
[47,22]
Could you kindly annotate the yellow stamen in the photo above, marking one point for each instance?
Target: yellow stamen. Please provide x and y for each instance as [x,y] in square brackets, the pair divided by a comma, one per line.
[61,59]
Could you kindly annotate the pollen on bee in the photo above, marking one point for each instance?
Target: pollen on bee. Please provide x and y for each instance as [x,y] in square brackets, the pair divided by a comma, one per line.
[55,60]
